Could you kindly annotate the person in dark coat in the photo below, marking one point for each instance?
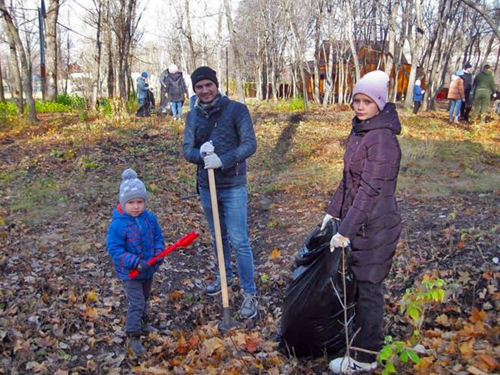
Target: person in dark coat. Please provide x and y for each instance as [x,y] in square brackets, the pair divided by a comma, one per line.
[176,88]
[467,105]
[365,203]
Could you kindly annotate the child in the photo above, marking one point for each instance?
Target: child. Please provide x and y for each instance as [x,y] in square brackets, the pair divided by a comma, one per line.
[134,237]
[418,96]
[366,205]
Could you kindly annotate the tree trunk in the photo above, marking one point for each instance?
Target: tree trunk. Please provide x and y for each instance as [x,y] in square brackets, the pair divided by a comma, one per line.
[236,53]
[392,39]
[13,34]
[317,52]
[189,36]
[329,92]
[2,93]
[51,40]
[350,35]
[96,86]
[415,50]
[17,92]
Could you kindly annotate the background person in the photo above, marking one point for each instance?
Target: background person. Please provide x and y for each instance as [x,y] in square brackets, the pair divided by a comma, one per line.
[176,89]
[467,104]
[142,88]
[365,203]
[484,88]
[418,96]
[456,95]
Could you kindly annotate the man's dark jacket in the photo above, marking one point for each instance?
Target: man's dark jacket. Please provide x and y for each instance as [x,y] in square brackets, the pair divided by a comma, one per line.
[233,138]
[365,200]
[467,78]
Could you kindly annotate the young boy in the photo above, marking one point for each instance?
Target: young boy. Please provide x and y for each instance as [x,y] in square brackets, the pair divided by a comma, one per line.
[134,237]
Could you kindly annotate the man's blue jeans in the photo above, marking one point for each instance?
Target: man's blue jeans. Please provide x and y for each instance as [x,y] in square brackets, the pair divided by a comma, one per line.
[176,109]
[233,221]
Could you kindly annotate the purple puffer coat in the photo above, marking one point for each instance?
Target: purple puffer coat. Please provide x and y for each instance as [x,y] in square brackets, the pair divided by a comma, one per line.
[365,198]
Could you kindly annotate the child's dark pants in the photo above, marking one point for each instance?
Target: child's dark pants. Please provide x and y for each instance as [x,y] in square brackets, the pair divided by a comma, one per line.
[369,319]
[138,292]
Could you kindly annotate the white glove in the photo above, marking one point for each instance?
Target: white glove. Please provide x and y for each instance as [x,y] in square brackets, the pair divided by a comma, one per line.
[206,149]
[326,219]
[423,91]
[494,94]
[339,241]
[212,161]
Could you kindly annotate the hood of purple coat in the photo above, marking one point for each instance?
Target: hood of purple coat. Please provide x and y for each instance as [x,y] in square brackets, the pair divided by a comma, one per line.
[386,119]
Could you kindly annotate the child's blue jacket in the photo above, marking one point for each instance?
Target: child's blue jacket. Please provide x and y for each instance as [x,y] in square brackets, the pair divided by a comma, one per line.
[131,239]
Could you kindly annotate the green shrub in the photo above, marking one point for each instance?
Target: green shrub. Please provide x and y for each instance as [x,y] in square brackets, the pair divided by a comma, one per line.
[104,107]
[42,107]
[7,110]
[73,101]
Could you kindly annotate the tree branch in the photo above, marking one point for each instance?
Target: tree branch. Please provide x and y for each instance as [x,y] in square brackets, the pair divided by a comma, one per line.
[485,14]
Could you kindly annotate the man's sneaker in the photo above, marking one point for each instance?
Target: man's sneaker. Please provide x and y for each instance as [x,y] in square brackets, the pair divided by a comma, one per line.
[347,365]
[215,288]
[136,345]
[249,306]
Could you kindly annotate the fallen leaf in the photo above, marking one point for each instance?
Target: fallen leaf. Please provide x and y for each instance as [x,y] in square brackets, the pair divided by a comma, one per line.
[475,371]
[489,361]
[176,294]
[478,315]
[466,349]
[275,254]
[443,320]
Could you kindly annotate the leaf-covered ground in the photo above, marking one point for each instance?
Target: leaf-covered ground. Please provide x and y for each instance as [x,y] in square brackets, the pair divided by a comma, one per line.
[62,309]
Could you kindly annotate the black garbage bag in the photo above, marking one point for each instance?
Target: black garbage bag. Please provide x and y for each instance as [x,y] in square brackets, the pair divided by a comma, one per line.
[148,106]
[313,317]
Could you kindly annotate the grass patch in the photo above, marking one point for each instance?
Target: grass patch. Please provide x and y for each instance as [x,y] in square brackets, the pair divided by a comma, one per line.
[43,199]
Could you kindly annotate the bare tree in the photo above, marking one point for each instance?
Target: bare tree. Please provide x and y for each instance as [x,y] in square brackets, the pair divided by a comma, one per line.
[52,58]
[415,40]
[236,53]
[13,35]
[486,15]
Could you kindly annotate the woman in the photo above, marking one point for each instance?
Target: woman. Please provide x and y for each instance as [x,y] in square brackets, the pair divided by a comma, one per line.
[366,206]
[456,94]
[175,88]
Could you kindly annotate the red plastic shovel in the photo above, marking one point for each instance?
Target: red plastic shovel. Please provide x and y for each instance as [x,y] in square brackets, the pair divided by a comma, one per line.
[183,242]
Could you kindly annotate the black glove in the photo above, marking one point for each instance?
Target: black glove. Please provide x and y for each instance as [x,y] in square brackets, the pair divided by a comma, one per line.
[143,266]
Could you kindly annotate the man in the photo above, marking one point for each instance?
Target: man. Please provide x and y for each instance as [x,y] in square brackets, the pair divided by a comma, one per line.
[467,105]
[484,88]
[219,134]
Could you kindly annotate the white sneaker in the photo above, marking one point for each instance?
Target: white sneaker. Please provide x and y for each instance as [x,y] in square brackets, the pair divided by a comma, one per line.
[347,365]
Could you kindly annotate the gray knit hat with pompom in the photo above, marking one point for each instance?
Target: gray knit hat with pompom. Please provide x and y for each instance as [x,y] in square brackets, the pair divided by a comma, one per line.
[131,187]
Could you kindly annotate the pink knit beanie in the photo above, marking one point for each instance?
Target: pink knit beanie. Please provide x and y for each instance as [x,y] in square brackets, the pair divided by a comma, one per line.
[375,85]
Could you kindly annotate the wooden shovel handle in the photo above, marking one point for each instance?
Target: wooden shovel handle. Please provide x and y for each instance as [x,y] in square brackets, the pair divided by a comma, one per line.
[218,237]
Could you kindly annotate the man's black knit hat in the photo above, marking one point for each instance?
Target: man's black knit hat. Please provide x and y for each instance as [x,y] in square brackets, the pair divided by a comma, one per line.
[204,72]
[467,65]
